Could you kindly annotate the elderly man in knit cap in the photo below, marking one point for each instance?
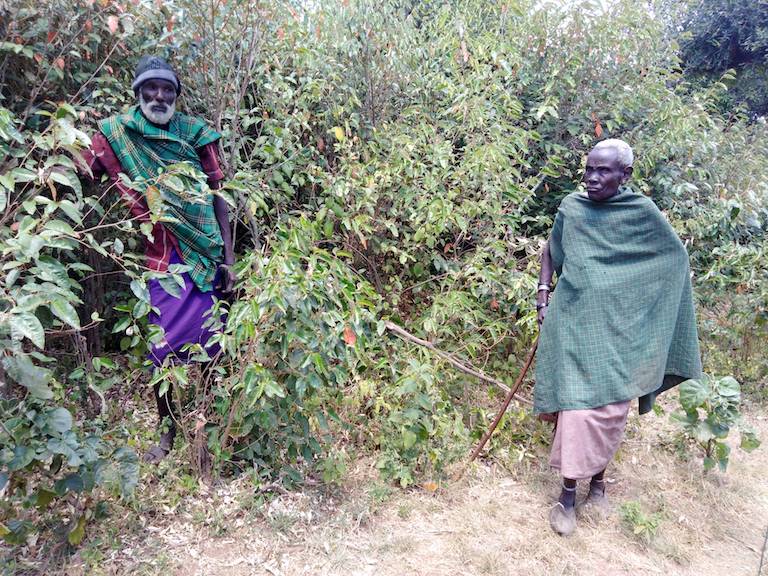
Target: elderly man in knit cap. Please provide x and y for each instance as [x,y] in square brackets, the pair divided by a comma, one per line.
[190,229]
[619,326]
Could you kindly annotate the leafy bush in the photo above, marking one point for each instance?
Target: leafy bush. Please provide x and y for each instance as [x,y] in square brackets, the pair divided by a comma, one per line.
[50,461]
[710,409]
[642,525]
[291,345]
[389,160]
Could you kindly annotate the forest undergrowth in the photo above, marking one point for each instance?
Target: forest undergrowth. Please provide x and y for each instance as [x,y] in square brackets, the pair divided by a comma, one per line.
[386,162]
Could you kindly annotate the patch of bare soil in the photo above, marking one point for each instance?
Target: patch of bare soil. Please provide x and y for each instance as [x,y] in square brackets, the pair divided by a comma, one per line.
[490,522]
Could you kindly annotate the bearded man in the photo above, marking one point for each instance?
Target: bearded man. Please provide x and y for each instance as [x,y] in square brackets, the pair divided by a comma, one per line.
[190,229]
[621,324]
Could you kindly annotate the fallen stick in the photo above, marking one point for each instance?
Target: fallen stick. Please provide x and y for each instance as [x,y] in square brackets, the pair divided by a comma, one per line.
[405,335]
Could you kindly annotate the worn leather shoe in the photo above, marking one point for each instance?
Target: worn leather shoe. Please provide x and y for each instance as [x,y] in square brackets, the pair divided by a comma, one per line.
[562,519]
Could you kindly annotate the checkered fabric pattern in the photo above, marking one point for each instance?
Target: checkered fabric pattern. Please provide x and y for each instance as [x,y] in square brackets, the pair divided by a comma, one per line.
[144,150]
[622,315]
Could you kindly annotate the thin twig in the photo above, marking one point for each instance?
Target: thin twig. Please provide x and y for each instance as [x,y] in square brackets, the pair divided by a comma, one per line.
[405,335]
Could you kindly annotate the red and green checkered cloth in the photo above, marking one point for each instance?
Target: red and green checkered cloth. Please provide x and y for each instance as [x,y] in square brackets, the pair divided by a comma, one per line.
[145,151]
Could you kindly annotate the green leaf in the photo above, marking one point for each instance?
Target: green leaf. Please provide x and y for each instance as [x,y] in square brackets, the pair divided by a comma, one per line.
[128,466]
[749,440]
[71,210]
[29,326]
[44,498]
[120,472]
[703,432]
[22,457]
[60,420]
[32,377]
[409,439]
[75,536]
[729,387]
[170,285]
[70,483]
[68,179]
[59,226]
[12,276]
[23,175]
[65,312]
[140,290]
[53,270]
[722,452]
[693,393]
[16,531]
[121,325]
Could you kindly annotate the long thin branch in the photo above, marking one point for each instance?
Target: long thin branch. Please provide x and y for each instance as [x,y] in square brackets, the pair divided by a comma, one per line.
[405,335]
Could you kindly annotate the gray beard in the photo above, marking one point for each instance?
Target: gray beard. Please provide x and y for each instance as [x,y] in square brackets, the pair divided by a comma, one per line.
[160,118]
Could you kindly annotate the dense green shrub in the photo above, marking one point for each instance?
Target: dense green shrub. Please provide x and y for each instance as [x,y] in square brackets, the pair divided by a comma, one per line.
[397,160]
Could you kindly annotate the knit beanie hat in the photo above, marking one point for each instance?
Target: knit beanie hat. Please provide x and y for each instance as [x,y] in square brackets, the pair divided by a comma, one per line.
[154,68]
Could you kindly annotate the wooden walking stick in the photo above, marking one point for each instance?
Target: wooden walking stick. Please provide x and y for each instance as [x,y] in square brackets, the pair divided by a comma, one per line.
[503,409]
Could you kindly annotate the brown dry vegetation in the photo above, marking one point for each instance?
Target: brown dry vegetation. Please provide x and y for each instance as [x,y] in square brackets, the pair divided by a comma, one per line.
[493,521]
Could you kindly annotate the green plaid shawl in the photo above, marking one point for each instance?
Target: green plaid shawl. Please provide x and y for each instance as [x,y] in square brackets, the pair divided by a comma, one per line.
[621,323]
[144,151]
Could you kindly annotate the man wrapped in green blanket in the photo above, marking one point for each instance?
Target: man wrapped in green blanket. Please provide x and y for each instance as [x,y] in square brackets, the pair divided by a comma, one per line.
[621,324]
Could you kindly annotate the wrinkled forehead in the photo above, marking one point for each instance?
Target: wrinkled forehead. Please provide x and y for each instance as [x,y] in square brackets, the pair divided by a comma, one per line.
[608,157]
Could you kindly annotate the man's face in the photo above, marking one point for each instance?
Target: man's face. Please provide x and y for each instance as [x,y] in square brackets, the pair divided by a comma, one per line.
[604,174]
[157,99]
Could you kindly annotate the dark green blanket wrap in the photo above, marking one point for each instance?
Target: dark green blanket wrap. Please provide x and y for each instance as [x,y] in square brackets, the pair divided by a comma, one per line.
[621,322]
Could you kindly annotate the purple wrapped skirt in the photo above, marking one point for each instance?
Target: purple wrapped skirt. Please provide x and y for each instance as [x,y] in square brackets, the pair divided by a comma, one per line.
[181,317]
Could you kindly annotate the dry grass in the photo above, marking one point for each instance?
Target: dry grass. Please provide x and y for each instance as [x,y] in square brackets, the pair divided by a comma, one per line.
[489,523]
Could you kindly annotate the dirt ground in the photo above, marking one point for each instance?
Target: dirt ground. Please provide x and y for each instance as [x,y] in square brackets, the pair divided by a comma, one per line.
[491,522]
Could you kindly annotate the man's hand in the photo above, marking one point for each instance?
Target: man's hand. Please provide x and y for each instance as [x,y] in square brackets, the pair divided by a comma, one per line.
[542,313]
[226,278]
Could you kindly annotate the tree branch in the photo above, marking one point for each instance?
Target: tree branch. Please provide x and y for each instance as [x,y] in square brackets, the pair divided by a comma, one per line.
[405,335]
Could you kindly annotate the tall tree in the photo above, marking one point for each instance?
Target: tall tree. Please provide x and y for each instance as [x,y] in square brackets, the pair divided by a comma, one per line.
[729,34]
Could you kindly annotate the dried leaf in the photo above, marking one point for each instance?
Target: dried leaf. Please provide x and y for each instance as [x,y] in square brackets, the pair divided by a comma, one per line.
[112,23]
[349,336]
[76,535]
[59,62]
[494,304]
[464,52]
[598,125]
[430,486]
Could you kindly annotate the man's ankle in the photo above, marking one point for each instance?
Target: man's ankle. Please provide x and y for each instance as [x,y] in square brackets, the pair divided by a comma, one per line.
[597,486]
[568,497]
